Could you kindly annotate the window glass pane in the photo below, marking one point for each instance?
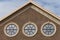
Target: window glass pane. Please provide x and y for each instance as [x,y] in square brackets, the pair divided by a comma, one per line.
[30,29]
[11,29]
[48,29]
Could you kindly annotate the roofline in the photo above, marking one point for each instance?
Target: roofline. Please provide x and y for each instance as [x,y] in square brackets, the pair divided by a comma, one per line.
[26,4]
[48,11]
[14,10]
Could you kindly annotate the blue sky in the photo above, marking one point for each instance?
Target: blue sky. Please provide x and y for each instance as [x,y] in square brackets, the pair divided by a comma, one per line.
[52,5]
[6,6]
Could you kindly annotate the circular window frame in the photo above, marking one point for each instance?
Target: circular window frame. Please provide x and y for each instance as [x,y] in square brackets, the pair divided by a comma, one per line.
[46,34]
[27,34]
[6,27]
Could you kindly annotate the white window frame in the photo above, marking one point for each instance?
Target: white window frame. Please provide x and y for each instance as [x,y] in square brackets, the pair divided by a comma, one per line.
[7,25]
[52,33]
[27,34]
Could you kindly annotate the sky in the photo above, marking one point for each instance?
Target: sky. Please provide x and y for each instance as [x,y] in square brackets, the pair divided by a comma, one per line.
[51,5]
[6,6]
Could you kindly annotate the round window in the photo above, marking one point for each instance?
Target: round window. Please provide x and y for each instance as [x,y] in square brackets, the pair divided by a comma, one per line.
[48,29]
[11,29]
[29,29]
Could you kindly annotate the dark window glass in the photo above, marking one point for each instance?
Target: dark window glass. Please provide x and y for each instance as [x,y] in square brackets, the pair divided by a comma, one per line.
[48,29]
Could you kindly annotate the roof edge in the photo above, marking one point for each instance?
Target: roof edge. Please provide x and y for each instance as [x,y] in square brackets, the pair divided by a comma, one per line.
[14,10]
[25,5]
[48,11]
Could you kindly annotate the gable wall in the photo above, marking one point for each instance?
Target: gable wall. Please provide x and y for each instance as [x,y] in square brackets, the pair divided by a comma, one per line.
[26,16]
